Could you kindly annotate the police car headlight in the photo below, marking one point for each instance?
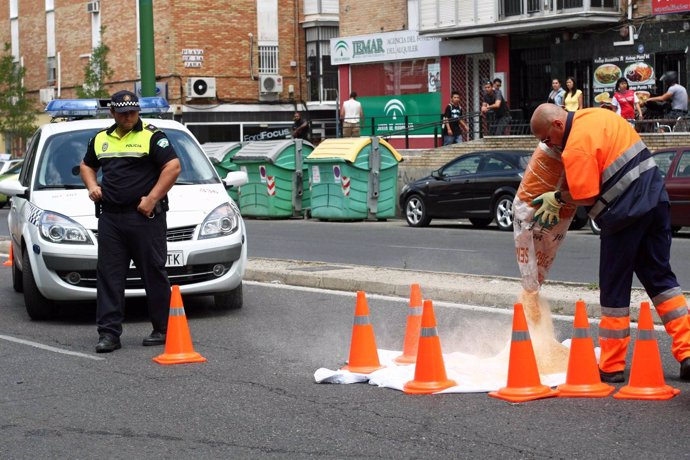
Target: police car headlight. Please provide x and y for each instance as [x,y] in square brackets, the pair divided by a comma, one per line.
[57,228]
[222,221]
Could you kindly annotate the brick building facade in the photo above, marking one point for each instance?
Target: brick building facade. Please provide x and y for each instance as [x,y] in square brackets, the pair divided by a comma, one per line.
[220,42]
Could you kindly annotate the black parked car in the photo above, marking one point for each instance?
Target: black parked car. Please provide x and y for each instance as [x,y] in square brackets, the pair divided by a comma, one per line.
[479,186]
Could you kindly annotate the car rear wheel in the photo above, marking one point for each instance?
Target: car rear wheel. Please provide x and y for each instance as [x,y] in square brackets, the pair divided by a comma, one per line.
[480,223]
[17,278]
[503,212]
[595,228]
[37,306]
[231,300]
[415,212]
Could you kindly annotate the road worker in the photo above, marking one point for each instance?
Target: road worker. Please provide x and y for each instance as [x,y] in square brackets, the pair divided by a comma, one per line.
[609,168]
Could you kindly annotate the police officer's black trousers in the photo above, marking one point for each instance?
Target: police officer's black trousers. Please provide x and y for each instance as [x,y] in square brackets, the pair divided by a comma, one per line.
[123,237]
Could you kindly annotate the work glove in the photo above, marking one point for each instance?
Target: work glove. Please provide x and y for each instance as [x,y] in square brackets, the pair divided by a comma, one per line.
[549,207]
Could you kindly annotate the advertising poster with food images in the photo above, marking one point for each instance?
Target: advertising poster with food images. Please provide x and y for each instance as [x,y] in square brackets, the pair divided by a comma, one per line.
[637,69]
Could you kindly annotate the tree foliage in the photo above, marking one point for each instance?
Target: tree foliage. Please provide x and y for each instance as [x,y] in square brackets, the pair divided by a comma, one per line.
[96,72]
[17,115]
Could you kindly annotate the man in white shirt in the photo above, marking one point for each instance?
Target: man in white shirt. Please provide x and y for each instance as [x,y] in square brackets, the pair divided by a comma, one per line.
[351,113]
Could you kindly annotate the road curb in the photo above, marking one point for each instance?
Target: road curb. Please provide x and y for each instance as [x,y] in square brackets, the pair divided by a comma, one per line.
[497,292]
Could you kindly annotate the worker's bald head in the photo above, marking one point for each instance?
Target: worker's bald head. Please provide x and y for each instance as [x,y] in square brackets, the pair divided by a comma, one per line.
[546,113]
[548,124]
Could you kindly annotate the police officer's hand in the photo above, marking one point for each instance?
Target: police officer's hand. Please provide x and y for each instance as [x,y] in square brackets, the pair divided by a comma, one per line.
[549,207]
[146,206]
[95,194]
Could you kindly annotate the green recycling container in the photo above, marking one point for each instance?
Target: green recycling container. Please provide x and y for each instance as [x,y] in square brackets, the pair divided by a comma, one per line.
[221,154]
[353,179]
[278,184]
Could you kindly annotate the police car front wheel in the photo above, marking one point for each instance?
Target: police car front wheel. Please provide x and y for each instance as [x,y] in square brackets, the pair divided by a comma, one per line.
[231,300]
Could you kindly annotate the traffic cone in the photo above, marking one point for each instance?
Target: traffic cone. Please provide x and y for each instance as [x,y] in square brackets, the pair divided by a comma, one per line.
[523,376]
[10,259]
[430,370]
[646,373]
[583,380]
[178,341]
[364,357]
[414,324]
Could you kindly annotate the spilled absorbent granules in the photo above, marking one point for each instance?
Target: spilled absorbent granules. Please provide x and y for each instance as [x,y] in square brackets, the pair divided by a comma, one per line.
[552,356]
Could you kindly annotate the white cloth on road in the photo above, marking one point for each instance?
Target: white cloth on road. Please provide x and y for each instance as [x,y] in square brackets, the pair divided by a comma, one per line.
[472,374]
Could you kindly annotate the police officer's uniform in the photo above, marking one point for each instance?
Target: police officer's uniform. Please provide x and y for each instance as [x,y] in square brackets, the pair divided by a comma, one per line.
[131,167]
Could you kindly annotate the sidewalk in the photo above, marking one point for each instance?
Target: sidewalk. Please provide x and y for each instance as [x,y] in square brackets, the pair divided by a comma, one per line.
[488,291]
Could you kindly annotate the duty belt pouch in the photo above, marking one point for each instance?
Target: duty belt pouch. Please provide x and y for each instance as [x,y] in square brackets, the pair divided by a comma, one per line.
[161,206]
[98,208]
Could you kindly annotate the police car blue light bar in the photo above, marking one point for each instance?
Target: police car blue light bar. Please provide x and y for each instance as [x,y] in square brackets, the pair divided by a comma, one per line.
[95,107]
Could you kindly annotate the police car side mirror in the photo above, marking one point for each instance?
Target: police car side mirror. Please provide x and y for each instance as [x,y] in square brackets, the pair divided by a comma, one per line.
[13,188]
[236,179]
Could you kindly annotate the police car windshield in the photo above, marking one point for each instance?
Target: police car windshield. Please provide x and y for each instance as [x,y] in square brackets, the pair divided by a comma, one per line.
[63,153]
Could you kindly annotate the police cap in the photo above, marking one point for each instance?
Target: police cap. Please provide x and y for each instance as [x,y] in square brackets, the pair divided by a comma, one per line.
[124,101]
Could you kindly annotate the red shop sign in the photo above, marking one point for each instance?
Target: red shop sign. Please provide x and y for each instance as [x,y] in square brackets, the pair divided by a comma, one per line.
[670,6]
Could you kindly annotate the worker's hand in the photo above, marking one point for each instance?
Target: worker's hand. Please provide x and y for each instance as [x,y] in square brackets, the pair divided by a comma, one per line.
[549,207]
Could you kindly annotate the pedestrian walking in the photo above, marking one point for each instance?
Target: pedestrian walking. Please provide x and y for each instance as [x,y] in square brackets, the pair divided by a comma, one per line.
[139,167]
[573,96]
[495,109]
[557,93]
[626,102]
[351,113]
[452,121]
[609,168]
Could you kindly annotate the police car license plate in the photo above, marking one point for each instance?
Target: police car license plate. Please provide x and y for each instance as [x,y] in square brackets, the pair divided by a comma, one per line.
[175,259]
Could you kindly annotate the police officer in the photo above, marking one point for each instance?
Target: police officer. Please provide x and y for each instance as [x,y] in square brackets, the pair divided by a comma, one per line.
[139,168]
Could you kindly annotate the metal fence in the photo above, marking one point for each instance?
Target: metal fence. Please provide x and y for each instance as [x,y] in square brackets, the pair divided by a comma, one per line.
[479,126]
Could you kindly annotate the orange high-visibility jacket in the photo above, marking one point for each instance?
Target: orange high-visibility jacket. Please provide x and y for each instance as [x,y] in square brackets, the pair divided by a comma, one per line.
[605,158]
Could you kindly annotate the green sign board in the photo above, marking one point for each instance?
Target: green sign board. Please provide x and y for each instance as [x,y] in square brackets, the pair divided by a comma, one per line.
[423,113]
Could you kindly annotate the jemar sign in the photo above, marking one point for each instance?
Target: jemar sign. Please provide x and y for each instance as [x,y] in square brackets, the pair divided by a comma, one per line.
[390,46]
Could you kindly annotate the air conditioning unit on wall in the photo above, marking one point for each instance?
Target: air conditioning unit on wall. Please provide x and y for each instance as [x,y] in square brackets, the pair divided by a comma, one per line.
[270,84]
[93,7]
[46,95]
[201,87]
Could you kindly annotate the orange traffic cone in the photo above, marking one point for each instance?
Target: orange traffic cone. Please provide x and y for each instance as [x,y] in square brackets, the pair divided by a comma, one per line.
[364,357]
[10,259]
[178,342]
[646,374]
[523,376]
[414,324]
[430,370]
[583,378]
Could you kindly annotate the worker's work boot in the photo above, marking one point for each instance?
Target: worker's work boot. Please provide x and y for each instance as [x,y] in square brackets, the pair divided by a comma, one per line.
[619,377]
[685,370]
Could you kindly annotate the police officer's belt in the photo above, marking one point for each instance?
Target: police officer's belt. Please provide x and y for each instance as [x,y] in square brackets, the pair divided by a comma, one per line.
[110,207]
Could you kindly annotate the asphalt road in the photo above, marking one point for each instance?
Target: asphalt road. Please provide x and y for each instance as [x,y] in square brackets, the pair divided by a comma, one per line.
[453,246]
[256,397]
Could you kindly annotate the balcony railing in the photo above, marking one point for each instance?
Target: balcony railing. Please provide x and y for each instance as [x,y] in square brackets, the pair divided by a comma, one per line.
[511,8]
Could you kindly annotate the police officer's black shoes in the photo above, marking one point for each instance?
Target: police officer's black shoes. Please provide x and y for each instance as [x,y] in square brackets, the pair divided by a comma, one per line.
[685,369]
[107,343]
[155,338]
[612,377]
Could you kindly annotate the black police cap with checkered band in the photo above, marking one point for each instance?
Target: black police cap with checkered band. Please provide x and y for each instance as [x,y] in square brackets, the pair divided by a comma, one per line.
[124,101]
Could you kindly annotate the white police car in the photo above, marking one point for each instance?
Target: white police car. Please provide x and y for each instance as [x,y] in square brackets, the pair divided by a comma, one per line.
[53,225]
